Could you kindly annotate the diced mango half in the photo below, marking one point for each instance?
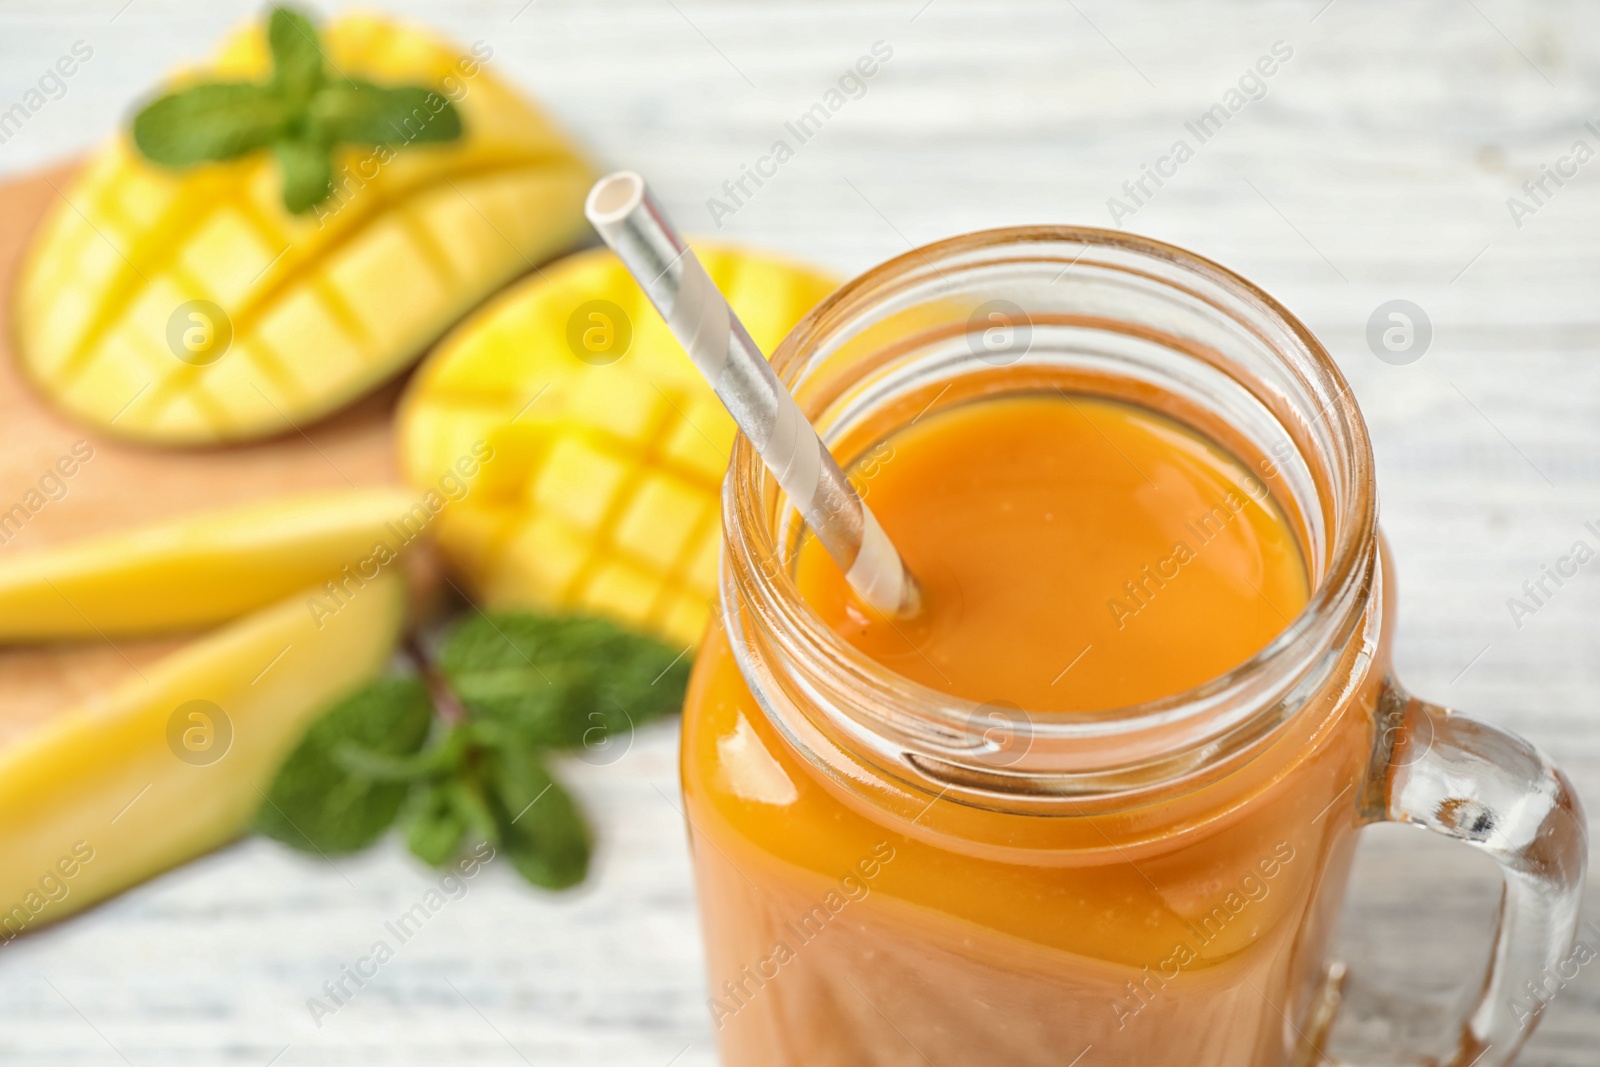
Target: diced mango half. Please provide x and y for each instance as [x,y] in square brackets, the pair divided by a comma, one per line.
[608,448]
[188,307]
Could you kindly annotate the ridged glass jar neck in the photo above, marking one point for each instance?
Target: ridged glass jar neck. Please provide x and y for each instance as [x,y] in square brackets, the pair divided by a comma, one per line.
[1090,312]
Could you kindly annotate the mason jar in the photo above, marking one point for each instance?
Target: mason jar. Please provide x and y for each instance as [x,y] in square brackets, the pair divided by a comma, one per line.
[889,874]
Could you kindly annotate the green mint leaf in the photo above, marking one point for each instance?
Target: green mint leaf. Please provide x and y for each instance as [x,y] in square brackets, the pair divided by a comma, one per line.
[380,767]
[316,803]
[546,709]
[453,805]
[209,121]
[539,826]
[307,173]
[470,796]
[562,681]
[363,113]
[437,824]
[297,60]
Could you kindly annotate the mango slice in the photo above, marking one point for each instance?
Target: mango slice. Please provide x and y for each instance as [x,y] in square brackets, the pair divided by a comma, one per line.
[202,570]
[188,307]
[609,447]
[175,763]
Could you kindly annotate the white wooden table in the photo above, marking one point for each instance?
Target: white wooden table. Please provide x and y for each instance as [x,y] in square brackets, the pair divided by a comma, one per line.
[1377,166]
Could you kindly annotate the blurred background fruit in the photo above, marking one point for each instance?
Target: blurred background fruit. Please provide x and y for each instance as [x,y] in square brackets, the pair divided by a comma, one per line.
[137,776]
[187,307]
[609,449]
[204,569]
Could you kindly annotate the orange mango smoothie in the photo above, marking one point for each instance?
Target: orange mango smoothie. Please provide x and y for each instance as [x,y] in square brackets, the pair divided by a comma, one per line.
[1076,555]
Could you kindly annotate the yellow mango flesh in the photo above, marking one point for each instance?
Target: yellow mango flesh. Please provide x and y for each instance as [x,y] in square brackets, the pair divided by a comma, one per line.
[196,571]
[133,781]
[603,494]
[320,306]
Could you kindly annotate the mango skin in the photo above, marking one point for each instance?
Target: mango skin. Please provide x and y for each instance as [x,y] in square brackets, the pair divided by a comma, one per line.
[106,780]
[604,494]
[196,571]
[322,306]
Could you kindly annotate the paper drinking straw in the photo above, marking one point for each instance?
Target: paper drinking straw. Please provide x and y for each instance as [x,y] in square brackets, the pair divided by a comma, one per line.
[630,220]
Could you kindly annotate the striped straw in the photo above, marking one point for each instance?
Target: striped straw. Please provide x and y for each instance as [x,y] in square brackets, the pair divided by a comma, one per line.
[630,220]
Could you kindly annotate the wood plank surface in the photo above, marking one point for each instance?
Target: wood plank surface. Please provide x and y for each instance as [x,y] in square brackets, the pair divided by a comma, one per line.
[1377,164]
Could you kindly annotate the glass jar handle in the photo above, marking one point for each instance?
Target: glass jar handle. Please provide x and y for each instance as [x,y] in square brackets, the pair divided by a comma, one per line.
[1492,790]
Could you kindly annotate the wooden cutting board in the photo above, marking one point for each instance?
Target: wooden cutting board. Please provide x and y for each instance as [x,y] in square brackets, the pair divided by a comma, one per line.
[127,485]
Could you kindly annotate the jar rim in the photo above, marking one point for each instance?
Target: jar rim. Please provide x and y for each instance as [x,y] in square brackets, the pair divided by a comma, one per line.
[1336,604]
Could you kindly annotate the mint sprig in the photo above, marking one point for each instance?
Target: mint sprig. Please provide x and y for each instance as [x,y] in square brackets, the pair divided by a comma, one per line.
[460,754]
[300,113]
